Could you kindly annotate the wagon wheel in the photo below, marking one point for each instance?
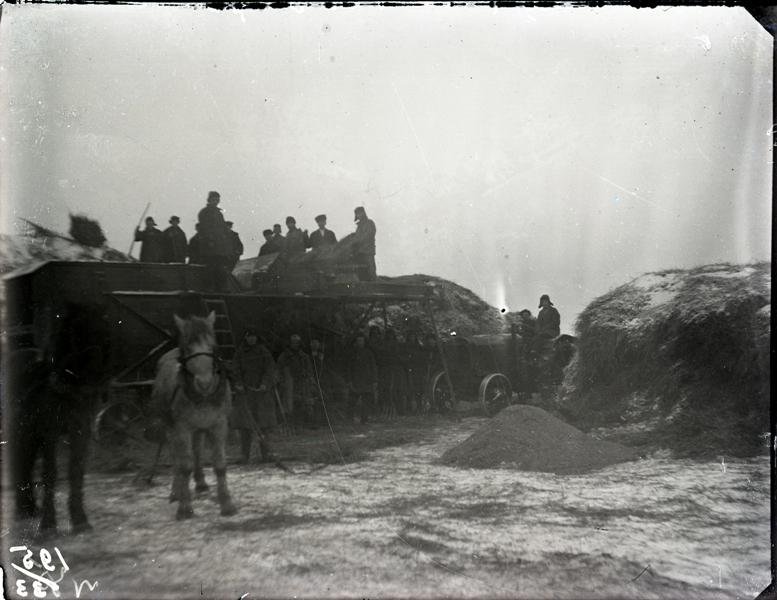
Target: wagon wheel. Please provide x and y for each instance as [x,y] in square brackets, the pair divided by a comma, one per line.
[494,393]
[441,394]
[119,422]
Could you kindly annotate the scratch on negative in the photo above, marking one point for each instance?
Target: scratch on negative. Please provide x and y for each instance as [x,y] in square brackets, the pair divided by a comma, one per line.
[415,135]
[623,189]
[641,572]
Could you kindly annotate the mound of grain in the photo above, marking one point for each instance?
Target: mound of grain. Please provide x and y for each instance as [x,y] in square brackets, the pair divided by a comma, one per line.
[529,439]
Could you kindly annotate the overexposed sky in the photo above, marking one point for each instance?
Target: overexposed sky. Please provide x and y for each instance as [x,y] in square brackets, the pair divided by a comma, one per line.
[515,151]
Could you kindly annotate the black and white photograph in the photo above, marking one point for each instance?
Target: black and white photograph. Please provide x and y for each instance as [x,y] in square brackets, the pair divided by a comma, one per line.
[385,301]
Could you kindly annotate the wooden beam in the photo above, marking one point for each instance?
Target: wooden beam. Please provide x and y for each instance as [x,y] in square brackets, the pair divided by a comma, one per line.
[430,313]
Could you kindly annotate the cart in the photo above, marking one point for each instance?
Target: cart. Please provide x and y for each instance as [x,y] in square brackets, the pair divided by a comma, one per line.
[487,367]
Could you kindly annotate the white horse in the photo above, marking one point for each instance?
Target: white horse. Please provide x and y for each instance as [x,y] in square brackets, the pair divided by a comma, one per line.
[197,395]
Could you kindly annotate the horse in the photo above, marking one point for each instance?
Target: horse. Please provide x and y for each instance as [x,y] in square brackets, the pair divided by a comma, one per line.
[50,392]
[194,392]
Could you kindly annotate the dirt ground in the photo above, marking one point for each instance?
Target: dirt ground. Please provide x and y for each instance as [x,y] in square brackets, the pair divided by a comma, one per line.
[388,521]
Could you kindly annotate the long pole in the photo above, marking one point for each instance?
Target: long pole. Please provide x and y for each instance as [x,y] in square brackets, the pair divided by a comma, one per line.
[430,314]
[132,245]
[266,446]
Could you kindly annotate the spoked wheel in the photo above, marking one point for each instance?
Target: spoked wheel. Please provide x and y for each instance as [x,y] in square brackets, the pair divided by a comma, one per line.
[495,393]
[441,394]
[118,423]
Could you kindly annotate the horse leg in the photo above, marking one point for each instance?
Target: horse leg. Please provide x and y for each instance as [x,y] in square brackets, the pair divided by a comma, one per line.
[246,439]
[181,444]
[79,446]
[219,434]
[25,453]
[200,486]
[48,524]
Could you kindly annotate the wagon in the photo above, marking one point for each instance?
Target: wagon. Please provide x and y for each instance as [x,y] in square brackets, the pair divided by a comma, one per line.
[498,369]
[487,367]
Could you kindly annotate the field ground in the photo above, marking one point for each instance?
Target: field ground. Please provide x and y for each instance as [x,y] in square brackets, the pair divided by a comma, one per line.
[390,522]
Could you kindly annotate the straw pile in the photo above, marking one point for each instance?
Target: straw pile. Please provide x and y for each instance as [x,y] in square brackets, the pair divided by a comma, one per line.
[86,231]
[686,350]
[527,438]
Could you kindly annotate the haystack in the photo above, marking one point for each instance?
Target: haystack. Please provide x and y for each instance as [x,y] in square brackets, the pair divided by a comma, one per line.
[527,438]
[39,244]
[684,352]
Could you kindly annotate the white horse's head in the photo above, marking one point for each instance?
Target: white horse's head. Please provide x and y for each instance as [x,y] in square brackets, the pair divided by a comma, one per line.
[197,343]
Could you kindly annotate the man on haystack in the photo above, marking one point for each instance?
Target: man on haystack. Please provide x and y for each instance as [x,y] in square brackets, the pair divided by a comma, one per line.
[547,329]
[296,239]
[548,319]
[322,236]
[151,242]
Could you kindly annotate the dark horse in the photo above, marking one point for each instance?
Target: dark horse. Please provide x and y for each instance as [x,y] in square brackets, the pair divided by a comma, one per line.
[195,395]
[49,393]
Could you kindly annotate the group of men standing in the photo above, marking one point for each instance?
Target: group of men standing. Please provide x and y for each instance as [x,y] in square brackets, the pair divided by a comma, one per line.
[297,241]
[219,248]
[167,246]
[302,387]
[215,244]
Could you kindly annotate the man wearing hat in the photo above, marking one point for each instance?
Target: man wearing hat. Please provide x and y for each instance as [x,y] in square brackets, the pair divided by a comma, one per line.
[175,242]
[152,242]
[548,319]
[215,243]
[254,404]
[237,246]
[322,236]
[364,245]
[193,249]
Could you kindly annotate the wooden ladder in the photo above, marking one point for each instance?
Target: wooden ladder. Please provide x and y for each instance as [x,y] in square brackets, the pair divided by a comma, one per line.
[225,337]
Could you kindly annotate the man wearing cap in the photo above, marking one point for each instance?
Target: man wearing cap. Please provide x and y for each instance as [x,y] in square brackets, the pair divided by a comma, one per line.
[215,243]
[152,242]
[175,242]
[269,246]
[237,246]
[296,239]
[277,235]
[364,245]
[322,236]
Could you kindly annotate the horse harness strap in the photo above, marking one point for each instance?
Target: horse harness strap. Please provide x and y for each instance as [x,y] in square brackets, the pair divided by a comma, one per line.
[185,359]
[185,376]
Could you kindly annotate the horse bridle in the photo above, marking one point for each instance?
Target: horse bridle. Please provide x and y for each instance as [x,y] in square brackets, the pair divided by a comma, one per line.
[185,359]
[188,375]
